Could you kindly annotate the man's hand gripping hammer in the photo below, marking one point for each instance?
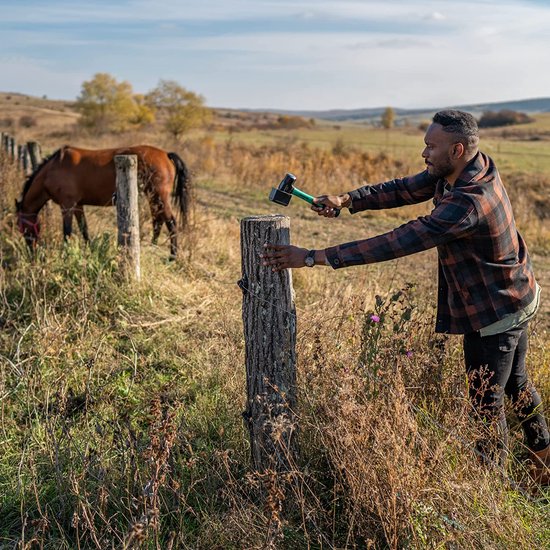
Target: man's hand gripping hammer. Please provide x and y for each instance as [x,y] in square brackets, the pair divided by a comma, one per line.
[283,193]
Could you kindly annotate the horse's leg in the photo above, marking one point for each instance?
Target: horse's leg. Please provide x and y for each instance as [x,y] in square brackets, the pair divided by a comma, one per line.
[67,222]
[157,226]
[171,225]
[82,224]
[156,207]
[160,186]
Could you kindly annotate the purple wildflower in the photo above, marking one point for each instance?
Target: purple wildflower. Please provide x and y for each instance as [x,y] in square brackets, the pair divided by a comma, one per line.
[409,354]
[375,318]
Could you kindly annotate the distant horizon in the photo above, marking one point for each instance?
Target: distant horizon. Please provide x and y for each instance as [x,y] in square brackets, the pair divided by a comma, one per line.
[423,108]
[276,109]
[313,55]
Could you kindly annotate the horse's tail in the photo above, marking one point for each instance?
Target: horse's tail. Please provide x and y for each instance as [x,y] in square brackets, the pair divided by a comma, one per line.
[181,190]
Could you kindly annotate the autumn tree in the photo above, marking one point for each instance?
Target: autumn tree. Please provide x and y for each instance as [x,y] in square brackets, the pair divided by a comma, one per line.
[143,113]
[388,118]
[108,105]
[180,108]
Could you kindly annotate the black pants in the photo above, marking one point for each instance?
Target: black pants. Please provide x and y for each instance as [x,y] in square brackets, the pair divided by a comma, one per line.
[496,366]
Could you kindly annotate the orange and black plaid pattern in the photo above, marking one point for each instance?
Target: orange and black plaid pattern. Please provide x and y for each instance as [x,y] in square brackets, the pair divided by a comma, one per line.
[485,271]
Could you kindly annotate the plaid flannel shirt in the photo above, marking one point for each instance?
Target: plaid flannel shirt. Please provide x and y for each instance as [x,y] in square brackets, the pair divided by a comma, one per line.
[485,271]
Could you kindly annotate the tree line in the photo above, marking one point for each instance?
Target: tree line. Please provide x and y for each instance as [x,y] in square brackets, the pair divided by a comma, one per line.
[107,105]
[488,119]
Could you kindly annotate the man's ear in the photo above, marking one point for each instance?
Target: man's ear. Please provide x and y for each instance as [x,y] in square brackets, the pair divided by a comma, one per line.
[458,150]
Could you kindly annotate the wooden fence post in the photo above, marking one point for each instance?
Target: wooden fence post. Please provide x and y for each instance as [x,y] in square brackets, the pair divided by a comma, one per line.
[35,154]
[22,158]
[128,214]
[26,163]
[269,319]
[6,142]
[12,148]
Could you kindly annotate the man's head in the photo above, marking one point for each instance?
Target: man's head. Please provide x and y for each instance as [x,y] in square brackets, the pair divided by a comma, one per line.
[451,142]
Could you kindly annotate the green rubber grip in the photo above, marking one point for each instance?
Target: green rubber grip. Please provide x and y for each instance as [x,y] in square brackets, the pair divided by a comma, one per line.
[308,198]
[302,195]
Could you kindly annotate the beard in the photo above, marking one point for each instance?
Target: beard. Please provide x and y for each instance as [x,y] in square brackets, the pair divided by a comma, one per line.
[442,169]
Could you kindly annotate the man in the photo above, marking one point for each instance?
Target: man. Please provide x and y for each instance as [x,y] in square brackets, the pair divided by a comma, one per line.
[487,290]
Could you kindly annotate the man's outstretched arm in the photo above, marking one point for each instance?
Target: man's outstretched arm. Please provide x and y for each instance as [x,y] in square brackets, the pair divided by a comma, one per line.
[389,194]
[452,219]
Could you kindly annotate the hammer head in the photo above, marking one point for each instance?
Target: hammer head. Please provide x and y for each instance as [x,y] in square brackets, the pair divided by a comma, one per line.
[283,193]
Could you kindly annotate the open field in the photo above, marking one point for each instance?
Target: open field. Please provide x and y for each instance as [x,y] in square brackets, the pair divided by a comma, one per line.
[120,417]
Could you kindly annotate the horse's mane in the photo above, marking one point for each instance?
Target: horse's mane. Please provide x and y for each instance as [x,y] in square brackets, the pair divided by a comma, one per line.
[30,179]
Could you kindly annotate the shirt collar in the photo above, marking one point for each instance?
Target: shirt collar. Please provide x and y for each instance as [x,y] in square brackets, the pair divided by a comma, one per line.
[474,170]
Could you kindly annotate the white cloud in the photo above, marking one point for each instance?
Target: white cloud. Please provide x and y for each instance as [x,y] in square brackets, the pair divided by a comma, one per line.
[335,54]
[175,10]
[436,16]
[20,74]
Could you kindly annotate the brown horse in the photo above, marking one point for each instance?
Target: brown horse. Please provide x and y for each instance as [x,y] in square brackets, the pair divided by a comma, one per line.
[74,177]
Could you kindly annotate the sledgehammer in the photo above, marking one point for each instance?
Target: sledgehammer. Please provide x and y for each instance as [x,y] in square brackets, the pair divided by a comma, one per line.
[283,193]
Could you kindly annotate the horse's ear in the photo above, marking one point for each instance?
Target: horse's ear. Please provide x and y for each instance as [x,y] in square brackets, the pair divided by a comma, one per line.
[17,205]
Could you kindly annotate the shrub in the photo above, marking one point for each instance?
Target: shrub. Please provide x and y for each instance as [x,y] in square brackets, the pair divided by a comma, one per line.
[27,121]
[6,122]
[493,119]
[292,122]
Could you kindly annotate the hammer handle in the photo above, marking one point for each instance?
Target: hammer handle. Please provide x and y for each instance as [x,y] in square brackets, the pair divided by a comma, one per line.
[308,198]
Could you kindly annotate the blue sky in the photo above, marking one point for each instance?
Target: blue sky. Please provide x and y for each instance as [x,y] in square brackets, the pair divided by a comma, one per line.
[288,54]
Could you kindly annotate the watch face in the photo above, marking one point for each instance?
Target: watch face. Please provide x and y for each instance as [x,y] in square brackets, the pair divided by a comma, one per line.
[309,261]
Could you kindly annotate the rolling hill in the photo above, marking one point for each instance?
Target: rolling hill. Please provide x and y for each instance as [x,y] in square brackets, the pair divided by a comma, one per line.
[536,105]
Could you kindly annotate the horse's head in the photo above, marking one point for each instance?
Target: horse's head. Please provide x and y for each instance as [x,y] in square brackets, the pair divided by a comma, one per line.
[27,224]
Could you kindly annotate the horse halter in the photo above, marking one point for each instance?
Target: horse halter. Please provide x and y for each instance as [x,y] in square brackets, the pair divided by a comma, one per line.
[24,225]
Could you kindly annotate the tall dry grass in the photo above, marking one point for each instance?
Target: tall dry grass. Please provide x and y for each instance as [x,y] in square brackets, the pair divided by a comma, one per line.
[121,405]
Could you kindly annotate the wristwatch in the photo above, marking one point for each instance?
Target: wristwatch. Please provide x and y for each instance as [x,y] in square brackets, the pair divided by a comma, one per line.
[309,260]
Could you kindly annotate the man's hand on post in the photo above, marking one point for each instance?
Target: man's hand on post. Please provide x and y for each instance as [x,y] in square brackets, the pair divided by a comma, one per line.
[331,203]
[283,256]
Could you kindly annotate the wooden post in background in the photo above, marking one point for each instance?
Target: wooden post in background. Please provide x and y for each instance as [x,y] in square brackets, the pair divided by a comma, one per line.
[5,142]
[23,159]
[128,214]
[34,152]
[269,319]
[26,163]
[12,149]
[20,156]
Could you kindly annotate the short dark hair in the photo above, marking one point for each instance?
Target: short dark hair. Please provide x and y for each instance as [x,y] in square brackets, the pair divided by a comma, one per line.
[461,123]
